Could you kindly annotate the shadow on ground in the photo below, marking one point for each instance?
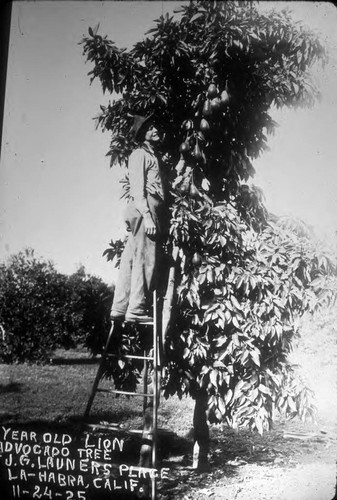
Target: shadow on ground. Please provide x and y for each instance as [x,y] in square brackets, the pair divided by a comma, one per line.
[79,438]
[11,387]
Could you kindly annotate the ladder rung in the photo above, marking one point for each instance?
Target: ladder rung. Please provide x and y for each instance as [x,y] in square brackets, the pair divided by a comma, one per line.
[113,391]
[140,431]
[116,428]
[109,426]
[138,323]
[131,356]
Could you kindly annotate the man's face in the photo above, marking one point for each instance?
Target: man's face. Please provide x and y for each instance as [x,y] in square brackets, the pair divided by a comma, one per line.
[152,134]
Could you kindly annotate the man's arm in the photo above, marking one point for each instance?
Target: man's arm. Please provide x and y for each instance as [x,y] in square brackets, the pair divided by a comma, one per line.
[137,177]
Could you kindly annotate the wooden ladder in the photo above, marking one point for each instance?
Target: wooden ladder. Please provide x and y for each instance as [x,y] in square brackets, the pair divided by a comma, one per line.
[149,433]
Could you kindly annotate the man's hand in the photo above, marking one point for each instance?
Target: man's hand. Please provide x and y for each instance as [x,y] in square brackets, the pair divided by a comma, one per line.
[150,227]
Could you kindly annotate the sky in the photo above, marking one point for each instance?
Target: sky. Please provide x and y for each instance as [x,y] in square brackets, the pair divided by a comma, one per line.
[58,194]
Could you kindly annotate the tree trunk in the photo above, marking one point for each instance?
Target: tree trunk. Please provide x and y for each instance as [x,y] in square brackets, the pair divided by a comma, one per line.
[168,299]
[148,438]
[145,459]
[201,433]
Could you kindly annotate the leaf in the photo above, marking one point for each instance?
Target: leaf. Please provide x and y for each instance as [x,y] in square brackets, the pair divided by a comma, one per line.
[295,87]
[96,29]
[299,56]
[228,397]
[291,404]
[235,302]
[262,388]
[196,16]
[253,395]
[223,240]
[255,355]
[214,377]
[235,322]
[238,389]
[259,424]
[162,99]
[222,406]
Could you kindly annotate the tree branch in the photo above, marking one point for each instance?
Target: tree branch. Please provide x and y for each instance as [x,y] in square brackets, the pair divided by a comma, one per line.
[168,299]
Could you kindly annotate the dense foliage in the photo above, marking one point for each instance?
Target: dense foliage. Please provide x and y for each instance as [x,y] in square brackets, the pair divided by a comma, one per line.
[209,75]
[238,315]
[41,309]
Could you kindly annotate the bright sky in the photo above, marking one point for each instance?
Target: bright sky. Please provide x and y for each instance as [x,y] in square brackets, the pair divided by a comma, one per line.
[58,194]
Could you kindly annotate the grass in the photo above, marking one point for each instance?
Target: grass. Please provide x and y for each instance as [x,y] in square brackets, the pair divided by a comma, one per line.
[58,392]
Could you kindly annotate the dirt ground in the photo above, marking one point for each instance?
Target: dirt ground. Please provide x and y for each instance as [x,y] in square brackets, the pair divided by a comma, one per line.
[292,462]
[295,461]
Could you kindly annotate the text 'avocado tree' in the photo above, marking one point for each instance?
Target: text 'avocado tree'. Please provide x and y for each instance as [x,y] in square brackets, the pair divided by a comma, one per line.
[238,279]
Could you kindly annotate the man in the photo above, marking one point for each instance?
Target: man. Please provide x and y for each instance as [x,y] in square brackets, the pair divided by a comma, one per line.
[146,220]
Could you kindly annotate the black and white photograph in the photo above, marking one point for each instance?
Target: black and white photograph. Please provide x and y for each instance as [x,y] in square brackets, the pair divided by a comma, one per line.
[168,250]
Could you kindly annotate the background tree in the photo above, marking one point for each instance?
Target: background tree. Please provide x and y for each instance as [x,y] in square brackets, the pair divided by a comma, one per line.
[91,299]
[32,301]
[238,279]
[42,309]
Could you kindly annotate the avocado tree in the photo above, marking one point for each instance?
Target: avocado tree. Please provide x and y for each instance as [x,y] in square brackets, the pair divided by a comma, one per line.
[238,279]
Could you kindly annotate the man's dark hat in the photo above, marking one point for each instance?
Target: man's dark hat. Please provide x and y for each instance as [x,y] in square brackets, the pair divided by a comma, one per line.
[138,123]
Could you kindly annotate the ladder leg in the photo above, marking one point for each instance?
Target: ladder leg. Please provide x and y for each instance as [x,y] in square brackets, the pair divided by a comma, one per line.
[99,373]
[155,380]
[145,375]
[156,391]
[148,453]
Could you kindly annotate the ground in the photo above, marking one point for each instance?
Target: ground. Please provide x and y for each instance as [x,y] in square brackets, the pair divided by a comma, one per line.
[294,461]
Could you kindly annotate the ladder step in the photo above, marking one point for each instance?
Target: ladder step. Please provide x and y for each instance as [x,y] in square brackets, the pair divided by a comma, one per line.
[131,356]
[140,431]
[126,393]
[108,426]
[116,428]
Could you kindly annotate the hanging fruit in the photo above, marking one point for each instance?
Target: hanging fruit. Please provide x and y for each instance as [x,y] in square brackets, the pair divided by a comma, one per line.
[196,259]
[215,104]
[212,91]
[197,153]
[188,124]
[207,109]
[183,181]
[184,148]
[224,97]
[184,187]
[194,191]
[204,125]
